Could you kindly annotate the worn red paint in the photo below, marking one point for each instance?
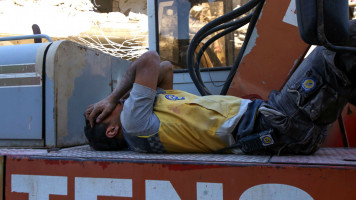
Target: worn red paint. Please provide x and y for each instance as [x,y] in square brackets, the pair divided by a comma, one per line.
[57,162]
[184,167]
[104,165]
[277,49]
[321,182]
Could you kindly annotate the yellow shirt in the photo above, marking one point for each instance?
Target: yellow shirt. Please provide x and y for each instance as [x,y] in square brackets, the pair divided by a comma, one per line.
[190,123]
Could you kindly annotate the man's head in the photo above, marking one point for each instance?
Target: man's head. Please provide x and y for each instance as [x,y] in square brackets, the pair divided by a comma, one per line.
[106,135]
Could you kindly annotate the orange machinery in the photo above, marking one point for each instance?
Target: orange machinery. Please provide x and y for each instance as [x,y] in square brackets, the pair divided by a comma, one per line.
[277,49]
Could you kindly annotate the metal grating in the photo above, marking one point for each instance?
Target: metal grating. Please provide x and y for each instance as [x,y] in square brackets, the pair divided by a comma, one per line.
[325,156]
[87,153]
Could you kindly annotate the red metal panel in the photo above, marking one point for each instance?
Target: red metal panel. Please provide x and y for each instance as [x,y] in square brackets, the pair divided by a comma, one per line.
[275,49]
[334,138]
[349,116]
[236,179]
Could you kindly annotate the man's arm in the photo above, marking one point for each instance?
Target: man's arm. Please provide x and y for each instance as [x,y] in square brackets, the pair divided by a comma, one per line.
[165,78]
[146,71]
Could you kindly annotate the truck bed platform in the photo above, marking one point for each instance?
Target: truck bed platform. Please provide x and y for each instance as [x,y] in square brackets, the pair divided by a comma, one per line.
[83,174]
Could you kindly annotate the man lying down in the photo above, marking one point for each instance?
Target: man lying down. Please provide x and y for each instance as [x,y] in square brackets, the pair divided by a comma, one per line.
[156,119]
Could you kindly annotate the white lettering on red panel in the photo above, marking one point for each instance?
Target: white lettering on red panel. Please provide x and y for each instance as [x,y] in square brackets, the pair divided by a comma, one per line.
[90,188]
[160,190]
[275,192]
[209,191]
[39,187]
[164,190]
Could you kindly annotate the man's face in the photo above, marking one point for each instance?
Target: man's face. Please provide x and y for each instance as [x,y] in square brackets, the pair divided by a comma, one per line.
[113,123]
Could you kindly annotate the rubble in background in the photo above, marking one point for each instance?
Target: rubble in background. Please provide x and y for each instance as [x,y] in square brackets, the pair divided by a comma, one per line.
[116,27]
[77,20]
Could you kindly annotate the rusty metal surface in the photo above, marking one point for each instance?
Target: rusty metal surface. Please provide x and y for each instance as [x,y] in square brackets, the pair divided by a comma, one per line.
[325,156]
[76,76]
[45,178]
[69,67]
[86,152]
[65,173]
[274,49]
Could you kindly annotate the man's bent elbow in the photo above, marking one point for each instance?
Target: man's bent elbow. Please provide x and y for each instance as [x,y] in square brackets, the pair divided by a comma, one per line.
[150,57]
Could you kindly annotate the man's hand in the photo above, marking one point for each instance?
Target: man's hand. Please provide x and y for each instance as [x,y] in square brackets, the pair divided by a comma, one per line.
[146,71]
[100,110]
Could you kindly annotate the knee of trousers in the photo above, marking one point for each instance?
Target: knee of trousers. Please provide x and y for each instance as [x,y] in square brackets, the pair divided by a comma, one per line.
[316,90]
[312,99]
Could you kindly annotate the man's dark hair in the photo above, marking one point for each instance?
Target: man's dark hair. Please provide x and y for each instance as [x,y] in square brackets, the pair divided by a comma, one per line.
[98,140]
